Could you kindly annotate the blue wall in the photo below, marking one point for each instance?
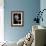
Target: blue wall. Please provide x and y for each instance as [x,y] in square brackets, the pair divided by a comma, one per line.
[29,7]
[43,6]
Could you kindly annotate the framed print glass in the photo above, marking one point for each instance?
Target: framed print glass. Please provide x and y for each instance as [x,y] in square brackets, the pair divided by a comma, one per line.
[17,18]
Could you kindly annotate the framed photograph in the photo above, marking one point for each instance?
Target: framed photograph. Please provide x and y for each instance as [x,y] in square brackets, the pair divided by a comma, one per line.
[17,18]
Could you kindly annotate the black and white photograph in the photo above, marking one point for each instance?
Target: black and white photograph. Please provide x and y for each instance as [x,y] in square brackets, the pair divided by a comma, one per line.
[17,18]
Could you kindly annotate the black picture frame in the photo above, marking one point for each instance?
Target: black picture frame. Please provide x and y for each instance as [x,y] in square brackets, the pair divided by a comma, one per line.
[17,18]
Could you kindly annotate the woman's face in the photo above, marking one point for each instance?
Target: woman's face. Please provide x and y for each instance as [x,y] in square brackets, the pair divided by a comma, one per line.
[16,17]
